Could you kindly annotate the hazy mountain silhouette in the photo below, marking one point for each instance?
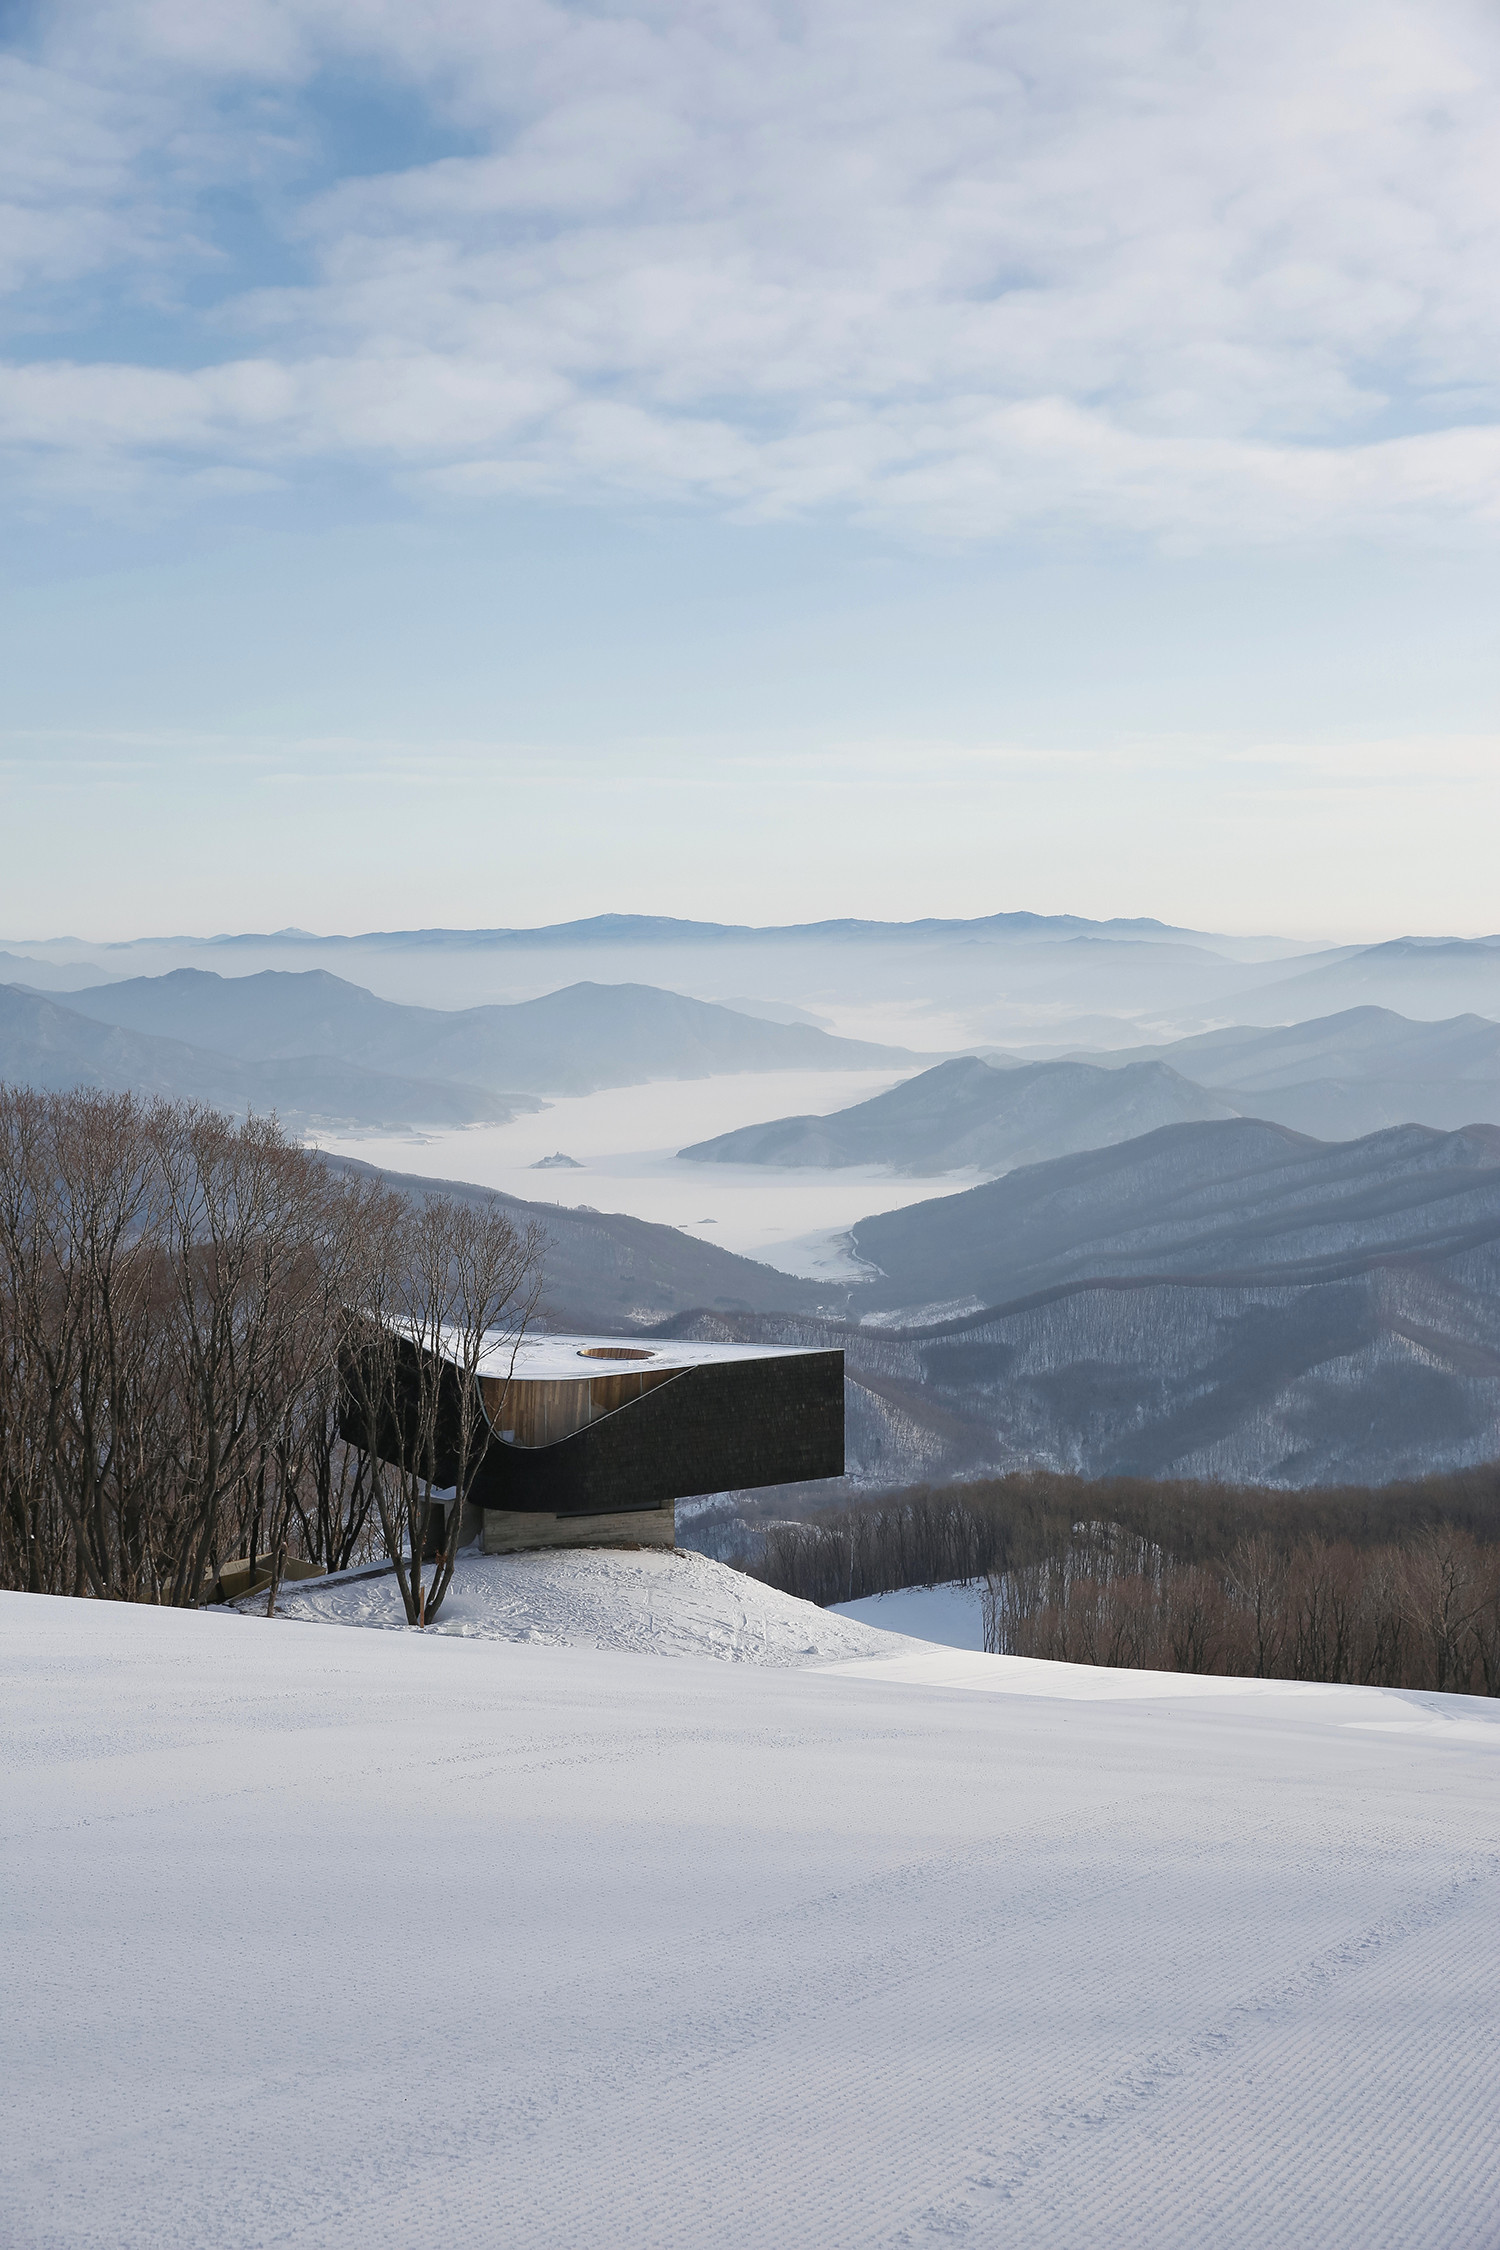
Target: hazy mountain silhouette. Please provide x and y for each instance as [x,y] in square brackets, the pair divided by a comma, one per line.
[574,1041]
[966,1115]
[47,1045]
[1423,977]
[1007,978]
[1001,974]
[1345,1075]
[48,976]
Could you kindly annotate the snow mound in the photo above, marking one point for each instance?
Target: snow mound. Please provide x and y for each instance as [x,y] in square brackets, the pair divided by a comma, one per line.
[652,1602]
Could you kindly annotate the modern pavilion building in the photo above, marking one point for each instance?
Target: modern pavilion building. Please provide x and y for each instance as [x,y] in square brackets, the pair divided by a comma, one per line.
[593,1438]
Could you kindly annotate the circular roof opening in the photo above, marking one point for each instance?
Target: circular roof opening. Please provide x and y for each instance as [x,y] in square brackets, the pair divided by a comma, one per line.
[612,1351]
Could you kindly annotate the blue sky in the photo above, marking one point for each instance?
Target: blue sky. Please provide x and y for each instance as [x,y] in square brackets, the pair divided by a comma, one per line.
[488,465]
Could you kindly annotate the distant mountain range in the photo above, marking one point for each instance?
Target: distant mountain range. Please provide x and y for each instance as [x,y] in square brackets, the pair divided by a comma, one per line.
[1337,1078]
[1221,1294]
[671,930]
[319,1049]
[44,1044]
[48,976]
[1010,979]
[1220,1300]
[1344,1075]
[966,1115]
[1231,1199]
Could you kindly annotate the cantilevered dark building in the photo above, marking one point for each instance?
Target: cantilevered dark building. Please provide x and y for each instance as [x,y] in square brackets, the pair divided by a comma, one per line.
[592,1438]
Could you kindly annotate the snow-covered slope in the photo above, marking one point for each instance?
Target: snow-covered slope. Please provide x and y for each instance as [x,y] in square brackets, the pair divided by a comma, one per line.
[663,1604]
[355,1939]
[953,1616]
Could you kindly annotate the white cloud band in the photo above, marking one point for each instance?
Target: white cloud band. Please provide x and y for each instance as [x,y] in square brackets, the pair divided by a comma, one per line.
[958,270]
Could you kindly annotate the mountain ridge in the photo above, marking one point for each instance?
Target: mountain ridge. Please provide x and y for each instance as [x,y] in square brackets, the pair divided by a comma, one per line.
[1159,1203]
[967,1114]
[57,1049]
[576,1040]
[1358,1355]
[1336,1078]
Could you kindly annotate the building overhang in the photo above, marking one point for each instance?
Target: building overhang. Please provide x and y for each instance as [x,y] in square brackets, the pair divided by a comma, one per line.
[603,1425]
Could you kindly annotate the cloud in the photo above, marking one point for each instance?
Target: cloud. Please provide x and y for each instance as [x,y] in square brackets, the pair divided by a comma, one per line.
[1404,762]
[959,271]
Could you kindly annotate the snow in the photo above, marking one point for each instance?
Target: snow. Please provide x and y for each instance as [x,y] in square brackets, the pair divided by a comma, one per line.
[951,1614]
[653,1602]
[323,1937]
[545,1356]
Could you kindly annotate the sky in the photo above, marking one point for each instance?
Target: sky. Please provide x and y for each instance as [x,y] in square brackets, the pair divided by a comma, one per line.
[483,466]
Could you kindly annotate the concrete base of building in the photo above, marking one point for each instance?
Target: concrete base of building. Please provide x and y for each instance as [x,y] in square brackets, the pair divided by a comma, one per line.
[508,1532]
[234,1580]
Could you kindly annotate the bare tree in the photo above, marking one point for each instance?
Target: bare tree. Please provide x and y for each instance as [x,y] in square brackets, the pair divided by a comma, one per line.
[246,1230]
[34,1529]
[446,1289]
[1257,1581]
[178,1296]
[78,1217]
[330,1483]
[1444,1594]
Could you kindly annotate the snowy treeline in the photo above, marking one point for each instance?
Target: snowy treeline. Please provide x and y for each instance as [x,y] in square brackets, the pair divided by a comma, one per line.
[181,1297]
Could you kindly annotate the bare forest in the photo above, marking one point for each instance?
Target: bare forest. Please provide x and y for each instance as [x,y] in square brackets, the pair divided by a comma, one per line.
[1395,1586]
[192,1310]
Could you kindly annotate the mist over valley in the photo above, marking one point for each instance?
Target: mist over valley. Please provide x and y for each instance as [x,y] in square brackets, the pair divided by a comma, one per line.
[1123,1238]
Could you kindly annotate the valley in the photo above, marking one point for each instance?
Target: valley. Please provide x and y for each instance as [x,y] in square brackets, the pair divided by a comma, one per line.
[1257,1247]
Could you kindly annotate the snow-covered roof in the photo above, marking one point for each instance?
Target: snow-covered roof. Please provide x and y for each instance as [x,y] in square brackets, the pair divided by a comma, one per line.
[545,1358]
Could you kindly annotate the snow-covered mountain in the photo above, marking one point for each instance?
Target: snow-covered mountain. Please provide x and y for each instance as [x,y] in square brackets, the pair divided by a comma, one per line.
[1227,1300]
[1220,1292]
[1231,1199]
[1223,1299]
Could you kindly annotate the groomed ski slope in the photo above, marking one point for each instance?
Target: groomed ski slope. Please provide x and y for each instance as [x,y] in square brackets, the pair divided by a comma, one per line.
[331,1937]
